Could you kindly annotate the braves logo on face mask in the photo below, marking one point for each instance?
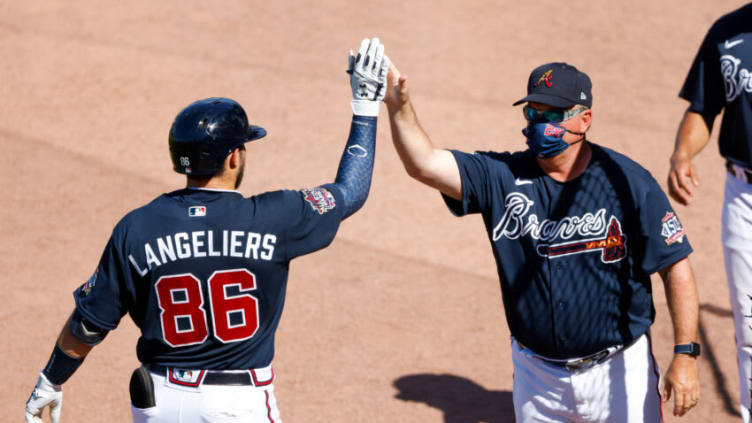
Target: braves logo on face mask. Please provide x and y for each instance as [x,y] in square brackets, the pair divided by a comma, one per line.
[544,139]
[554,131]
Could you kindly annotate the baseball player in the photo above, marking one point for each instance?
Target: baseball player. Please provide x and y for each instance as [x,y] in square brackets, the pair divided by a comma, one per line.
[202,271]
[576,230]
[720,79]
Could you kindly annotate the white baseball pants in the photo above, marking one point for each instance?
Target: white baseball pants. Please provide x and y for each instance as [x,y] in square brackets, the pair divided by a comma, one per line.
[209,404]
[622,389]
[736,235]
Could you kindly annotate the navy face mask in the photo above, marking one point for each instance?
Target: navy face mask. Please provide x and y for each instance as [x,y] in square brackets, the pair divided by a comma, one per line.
[545,138]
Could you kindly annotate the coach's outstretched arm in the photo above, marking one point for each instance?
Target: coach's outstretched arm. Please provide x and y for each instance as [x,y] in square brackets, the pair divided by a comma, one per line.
[368,81]
[682,380]
[434,167]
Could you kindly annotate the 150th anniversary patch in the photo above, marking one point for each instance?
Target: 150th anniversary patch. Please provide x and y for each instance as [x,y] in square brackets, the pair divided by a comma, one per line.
[671,228]
[320,199]
[86,288]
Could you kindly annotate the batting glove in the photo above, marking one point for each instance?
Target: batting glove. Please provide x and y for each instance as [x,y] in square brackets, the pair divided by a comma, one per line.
[44,394]
[368,77]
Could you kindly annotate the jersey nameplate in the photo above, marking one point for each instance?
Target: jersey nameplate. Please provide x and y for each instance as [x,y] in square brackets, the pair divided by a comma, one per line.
[197,244]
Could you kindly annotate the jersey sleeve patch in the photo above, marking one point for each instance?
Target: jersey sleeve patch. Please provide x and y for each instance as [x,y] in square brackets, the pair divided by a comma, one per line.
[320,199]
[671,229]
[86,288]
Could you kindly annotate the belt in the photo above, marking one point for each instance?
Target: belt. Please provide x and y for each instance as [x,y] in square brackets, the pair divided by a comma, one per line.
[586,362]
[196,377]
[740,172]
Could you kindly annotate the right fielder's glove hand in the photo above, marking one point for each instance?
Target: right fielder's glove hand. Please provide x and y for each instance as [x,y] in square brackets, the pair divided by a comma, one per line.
[368,71]
[44,394]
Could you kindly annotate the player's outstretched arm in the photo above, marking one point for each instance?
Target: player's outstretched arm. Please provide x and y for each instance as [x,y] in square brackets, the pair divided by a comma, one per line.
[434,167]
[368,80]
[691,137]
[682,379]
[67,355]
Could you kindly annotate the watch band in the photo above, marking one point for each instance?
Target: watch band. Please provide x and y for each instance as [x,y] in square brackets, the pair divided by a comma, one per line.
[692,349]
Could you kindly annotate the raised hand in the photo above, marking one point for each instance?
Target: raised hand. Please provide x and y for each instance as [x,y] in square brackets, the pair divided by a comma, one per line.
[368,71]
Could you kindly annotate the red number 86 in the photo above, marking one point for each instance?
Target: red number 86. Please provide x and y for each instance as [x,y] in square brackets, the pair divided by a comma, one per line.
[181,300]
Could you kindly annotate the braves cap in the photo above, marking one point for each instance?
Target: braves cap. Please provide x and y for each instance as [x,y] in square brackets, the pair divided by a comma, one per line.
[559,85]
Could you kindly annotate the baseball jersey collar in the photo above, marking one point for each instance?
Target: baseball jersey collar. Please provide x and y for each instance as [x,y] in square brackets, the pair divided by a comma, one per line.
[213,189]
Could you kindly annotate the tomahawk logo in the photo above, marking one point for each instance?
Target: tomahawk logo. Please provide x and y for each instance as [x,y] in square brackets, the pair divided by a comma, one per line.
[545,78]
[613,246]
[591,229]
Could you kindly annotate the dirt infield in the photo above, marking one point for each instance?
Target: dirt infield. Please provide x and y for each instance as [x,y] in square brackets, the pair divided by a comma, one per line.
[401,318]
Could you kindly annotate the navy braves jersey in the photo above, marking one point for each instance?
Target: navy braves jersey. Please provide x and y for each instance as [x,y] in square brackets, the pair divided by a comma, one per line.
[721,77]
[203,272]
[574,258]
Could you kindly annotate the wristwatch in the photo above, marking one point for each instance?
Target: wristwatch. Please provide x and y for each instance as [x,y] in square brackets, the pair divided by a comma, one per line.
[692,349]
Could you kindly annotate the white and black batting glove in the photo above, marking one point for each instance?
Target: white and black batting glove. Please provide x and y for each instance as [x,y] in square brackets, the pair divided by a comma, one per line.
[44,394]
[368,77]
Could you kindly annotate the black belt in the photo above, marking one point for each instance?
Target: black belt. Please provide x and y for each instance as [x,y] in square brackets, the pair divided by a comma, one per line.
[740,172]
[211,377]
[583,363]
[587,361]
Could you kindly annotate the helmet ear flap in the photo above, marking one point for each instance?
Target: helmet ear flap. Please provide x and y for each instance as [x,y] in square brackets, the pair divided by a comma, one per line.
[205,132]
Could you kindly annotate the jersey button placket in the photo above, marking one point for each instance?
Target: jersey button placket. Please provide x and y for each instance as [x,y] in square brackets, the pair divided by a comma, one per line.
[559,304]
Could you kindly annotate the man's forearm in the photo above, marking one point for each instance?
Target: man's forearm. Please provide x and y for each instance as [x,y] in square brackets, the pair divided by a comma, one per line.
[410,140]
[682,298]
[67,355]
[693,134]
[70,344]
[356,166]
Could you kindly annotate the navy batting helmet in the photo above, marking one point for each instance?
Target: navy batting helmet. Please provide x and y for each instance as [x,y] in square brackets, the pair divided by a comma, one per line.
[205,132]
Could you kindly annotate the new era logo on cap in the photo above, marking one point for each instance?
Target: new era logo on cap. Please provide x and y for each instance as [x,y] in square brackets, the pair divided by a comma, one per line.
[197,211]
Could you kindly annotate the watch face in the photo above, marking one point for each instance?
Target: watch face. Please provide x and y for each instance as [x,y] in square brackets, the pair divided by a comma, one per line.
[692,349]
[695,349]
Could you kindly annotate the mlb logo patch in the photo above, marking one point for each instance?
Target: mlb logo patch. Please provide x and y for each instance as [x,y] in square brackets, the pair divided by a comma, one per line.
[186,377]
[671,228]
[197,211]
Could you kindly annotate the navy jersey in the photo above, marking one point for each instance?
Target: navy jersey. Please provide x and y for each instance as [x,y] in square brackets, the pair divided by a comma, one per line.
[574,259]
[721,77]
[203,272]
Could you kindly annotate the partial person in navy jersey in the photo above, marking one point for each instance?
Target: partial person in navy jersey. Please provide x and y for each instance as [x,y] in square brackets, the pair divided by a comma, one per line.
[720,80]
[202,271]
[576,230]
